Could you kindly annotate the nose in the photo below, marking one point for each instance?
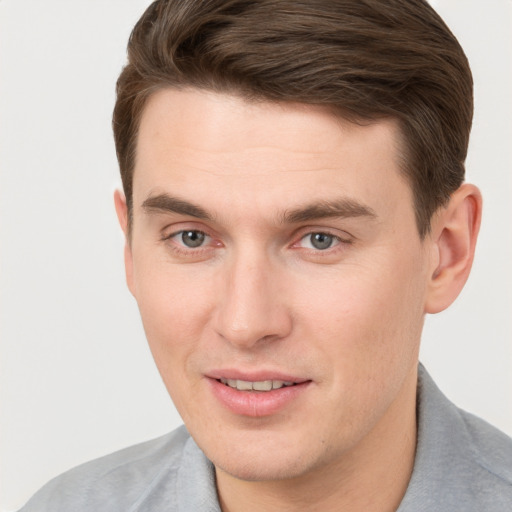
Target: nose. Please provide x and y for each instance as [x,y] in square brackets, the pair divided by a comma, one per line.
[251,306]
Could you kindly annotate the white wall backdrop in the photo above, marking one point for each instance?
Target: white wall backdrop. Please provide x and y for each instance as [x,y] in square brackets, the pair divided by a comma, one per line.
[76,378]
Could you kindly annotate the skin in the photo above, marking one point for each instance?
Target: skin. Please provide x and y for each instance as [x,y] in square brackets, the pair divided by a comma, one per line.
[258,295]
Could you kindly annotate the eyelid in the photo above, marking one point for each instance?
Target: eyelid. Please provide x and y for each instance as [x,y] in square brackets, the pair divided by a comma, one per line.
[336,240]
[185,253]
[340,235]
[331,254]
[212,240]
[172,229]
[180,231]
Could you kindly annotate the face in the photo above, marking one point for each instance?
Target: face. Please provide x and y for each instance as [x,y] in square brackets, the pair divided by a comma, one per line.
[280,277]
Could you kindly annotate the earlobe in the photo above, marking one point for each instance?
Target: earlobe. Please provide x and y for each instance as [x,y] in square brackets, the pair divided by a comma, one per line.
[122,216]
[454,234]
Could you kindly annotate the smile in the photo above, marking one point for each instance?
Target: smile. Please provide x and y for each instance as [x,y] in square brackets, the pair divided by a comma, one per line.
[260,396]
[263,385]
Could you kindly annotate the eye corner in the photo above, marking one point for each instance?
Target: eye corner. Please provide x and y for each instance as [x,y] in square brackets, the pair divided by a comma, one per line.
[189,243]
[331,245]
[322,240]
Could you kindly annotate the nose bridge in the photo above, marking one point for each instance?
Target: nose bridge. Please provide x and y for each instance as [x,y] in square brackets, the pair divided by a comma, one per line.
[251,308]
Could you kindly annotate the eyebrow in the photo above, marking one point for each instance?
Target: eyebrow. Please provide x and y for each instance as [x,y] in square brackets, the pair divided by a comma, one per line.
[340,208]
[168,204]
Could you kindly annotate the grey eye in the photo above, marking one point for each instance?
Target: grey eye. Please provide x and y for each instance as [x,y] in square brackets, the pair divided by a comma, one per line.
[192,239]
[321,241]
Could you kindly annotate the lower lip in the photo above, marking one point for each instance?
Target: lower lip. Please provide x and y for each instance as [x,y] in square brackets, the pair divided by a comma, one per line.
[256,403]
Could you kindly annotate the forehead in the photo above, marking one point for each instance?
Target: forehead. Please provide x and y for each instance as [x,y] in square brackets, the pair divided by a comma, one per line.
[261,153]
[214,122]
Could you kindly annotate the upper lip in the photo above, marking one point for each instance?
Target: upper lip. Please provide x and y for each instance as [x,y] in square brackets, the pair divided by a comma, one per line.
[254,375]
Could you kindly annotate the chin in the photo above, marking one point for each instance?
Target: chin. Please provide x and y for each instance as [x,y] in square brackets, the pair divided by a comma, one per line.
[266,461]
[252,470]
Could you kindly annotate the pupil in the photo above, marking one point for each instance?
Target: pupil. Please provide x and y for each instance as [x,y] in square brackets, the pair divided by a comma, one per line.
[192,238]
[321,240]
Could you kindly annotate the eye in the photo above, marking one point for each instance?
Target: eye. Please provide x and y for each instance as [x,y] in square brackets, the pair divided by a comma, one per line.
[190,238]
[319,241]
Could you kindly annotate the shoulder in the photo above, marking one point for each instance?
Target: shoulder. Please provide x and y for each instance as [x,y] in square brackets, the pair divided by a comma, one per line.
[116,481]
[490,450]
[462,462]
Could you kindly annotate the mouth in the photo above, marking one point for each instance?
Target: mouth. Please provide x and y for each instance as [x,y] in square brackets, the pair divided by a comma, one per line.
[259,394]
[262,385]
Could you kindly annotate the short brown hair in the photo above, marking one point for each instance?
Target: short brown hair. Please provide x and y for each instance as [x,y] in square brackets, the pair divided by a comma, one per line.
[364,59]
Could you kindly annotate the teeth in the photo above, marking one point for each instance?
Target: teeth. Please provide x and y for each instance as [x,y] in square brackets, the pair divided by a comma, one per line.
[265,385]
[243,385]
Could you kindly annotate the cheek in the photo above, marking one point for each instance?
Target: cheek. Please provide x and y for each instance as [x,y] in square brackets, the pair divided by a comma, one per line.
[367,338]
[175,304]
[368,318]
[174,311]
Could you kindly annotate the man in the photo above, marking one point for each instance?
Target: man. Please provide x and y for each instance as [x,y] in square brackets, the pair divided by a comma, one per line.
[294,204]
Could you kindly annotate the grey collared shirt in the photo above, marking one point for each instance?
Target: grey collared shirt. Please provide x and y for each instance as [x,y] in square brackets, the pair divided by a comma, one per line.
[461,464]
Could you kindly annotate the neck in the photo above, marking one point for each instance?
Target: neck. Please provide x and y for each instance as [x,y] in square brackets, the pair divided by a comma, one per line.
[373,476]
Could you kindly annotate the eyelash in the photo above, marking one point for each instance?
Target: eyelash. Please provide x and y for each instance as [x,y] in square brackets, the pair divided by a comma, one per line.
[336,240]
[183,249]
[339,243]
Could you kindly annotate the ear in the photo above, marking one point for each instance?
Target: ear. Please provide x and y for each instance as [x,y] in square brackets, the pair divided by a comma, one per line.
[122,216]
[454,233]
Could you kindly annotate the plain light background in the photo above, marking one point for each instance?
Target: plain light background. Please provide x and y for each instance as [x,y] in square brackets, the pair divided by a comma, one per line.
[76,378]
